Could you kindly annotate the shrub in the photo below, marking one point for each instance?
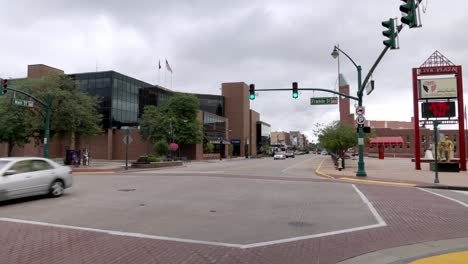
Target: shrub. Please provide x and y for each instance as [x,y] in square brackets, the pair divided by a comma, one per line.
[209,147]
[162,148]
[151,158]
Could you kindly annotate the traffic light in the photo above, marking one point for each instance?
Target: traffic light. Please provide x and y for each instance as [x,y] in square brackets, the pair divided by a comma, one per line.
[410,18]
[295,92]
[4,86]
[252,91]
[390,33]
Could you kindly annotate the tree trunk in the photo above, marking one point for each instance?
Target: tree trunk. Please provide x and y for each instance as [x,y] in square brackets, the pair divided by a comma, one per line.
[11,144]
[72,140]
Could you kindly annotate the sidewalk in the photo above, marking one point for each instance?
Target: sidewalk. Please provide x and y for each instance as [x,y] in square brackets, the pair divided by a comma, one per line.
[100,166]
[394,170]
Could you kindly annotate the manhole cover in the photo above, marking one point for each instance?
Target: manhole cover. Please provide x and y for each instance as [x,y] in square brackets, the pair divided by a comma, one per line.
[126,190]
[299,224]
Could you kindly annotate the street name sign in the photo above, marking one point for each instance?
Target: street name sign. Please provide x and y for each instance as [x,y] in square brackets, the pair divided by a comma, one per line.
[323,100]
[22,102]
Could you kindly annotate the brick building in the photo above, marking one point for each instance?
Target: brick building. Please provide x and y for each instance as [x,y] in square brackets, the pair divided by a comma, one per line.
[227,118]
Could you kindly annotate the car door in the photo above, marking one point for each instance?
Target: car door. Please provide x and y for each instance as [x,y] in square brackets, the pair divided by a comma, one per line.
[43,174]
[19,183]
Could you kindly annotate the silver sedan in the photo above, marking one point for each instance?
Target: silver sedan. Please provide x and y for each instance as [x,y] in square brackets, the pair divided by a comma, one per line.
[21,177]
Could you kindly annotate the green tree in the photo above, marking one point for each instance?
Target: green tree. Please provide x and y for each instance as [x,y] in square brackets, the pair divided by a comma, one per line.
[74,113]
[15,124]
[338,137]
[175,120]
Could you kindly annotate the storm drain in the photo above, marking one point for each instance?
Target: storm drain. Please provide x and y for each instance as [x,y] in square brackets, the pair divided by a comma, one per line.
[126,190]
[299,224]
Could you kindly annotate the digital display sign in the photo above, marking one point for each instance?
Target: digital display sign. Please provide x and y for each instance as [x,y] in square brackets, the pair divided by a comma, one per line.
[438,109]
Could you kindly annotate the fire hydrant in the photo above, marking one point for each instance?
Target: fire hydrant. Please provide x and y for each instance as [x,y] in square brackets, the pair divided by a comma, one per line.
[340,164]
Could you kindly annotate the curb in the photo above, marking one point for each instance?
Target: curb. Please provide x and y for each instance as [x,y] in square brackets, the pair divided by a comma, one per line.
[321,174]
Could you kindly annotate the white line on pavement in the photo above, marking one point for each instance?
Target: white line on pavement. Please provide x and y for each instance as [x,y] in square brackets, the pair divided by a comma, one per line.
[119,233]
[446,197]
[380,223]
[379,219]
[371,207]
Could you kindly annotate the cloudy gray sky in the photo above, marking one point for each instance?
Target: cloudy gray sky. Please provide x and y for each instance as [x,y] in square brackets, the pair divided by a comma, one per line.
[208,42]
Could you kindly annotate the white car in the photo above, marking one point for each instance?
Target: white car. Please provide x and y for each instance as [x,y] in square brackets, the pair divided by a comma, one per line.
[279,155]
[21,177]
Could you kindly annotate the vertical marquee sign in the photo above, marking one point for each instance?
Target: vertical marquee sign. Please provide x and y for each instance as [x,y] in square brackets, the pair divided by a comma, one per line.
[438,94]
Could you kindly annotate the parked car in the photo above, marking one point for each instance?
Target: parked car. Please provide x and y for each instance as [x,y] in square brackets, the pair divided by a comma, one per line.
[289,154]
[279,155]
[324,152]
[22,177]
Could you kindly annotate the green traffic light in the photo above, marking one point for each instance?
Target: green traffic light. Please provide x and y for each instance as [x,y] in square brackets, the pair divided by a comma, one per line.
[409,8]
[390,33]
[252,96]
[295,95]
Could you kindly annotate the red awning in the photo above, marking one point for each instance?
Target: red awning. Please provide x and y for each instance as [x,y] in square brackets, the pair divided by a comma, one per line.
[387,141]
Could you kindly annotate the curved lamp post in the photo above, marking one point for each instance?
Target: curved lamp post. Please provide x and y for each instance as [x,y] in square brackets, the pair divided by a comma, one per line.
[361,169]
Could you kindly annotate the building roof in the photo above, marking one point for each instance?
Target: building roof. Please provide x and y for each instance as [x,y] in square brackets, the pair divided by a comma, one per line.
[387,140]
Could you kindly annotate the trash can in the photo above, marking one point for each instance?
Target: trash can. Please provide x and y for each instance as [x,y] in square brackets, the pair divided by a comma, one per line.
[72,157]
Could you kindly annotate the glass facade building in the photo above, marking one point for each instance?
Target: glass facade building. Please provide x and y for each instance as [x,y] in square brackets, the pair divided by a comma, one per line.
[214,127]
[263,135]
[119,95]
[123,98]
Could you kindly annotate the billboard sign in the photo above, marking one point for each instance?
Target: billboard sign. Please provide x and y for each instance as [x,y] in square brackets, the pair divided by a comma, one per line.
[438,88]
[438,109]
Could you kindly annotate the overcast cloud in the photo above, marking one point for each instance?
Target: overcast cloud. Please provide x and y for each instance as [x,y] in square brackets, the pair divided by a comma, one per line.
[269,43]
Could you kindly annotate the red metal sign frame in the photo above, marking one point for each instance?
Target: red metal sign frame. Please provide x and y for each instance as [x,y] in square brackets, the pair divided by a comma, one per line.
[439,70]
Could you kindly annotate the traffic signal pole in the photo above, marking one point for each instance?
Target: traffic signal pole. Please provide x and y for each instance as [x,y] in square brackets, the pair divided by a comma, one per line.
[48,106]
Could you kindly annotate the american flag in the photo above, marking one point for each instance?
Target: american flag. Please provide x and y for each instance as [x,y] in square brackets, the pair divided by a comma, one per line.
[168,67]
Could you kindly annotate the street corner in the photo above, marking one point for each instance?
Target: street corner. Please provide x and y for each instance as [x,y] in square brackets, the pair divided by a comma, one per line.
[323,170]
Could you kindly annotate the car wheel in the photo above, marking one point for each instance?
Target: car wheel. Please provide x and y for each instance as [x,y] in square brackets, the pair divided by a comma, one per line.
[57,188]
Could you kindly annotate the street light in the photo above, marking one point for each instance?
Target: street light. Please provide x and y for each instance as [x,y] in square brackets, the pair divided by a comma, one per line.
[361,169]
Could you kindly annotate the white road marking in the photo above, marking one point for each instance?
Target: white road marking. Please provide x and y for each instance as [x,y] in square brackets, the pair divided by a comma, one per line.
[380,223]
[446,197]
[371,207]
[119,233]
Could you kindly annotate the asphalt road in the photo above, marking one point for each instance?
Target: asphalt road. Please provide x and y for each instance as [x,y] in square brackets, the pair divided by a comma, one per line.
[215,209]
[230,211]
[301,166]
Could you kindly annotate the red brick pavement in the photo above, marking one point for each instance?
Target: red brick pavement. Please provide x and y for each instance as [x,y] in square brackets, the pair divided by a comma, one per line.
[412,216]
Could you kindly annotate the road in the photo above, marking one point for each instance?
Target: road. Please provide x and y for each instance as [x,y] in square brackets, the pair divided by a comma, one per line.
[230,211]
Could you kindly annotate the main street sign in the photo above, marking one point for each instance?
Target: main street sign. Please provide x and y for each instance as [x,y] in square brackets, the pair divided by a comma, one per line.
[323,100]
[22,102]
